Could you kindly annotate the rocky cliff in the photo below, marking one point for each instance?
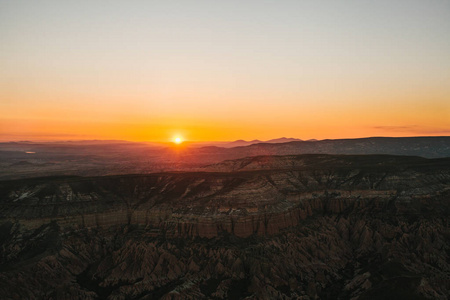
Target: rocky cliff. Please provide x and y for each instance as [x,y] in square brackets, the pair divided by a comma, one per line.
[311,226]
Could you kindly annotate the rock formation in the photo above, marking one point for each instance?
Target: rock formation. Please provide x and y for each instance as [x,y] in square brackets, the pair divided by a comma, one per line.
[287,227]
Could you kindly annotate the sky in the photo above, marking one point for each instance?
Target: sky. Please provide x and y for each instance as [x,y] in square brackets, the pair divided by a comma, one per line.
[223,70]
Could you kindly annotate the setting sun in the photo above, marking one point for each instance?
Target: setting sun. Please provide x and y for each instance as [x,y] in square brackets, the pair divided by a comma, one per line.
[177,140]
[267,149]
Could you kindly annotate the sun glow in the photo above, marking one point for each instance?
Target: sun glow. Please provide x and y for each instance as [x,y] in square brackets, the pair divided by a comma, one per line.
[177,140]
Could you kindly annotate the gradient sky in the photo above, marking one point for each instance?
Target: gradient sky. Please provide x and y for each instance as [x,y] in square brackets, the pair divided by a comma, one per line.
[223,70]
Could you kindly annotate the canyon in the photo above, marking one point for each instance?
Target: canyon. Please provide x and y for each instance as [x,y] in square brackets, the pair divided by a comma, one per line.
[311,226]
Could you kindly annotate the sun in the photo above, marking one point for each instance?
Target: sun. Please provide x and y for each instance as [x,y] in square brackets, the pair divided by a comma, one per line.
[177,140]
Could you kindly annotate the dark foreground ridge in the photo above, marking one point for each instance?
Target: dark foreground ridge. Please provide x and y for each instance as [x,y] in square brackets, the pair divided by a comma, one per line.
[292,227]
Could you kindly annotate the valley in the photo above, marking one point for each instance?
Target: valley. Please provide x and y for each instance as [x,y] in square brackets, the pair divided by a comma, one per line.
[307,226]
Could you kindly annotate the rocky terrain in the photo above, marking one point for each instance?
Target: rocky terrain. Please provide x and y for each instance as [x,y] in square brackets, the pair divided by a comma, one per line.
[268,227]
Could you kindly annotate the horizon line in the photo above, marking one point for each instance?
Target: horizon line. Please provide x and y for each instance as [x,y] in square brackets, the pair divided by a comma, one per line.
[222,141]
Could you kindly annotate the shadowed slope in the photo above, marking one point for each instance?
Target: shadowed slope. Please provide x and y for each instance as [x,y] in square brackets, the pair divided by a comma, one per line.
[296,226]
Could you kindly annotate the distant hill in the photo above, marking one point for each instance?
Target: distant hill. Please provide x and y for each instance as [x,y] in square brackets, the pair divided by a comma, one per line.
[23,160]
[243,143]
[240,143]
[327,161]
[283,140]
[429,147]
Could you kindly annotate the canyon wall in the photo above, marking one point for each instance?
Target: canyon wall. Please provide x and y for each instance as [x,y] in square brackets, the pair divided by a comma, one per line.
[332,228]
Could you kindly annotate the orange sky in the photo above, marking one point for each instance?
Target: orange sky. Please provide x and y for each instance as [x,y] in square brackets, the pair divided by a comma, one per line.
[206,71]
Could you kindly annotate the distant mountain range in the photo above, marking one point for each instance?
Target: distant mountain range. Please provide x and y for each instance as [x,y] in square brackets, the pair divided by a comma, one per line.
[429,147]
[88,158]
[242,143]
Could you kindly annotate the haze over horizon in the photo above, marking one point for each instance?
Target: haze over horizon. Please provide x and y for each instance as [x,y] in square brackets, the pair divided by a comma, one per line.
[194,149]
[213,71]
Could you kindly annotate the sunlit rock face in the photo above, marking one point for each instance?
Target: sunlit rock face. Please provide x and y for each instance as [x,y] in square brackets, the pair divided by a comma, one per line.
[314,226]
